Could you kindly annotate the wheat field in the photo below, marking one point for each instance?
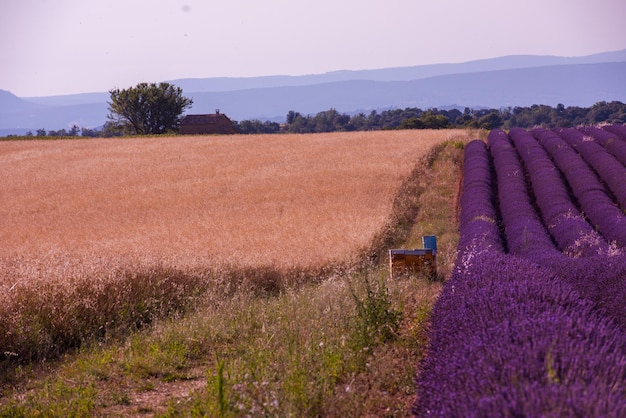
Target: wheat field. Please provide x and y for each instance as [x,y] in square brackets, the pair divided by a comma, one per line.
[99,237]
[279,200]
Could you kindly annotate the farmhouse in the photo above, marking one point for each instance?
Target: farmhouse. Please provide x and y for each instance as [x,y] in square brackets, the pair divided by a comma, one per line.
[216,123]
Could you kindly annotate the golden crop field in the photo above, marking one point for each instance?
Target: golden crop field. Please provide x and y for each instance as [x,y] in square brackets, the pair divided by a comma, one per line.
[101,237]
[281,200]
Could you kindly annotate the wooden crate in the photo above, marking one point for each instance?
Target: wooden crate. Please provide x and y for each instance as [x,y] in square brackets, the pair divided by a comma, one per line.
[418,261]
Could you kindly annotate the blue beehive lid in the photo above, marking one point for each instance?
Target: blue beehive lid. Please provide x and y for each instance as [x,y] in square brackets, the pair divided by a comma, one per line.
[430,242]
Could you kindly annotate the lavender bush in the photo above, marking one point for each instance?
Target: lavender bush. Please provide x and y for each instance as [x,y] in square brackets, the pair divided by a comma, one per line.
[619,130]
[509,338]
[564,221]
[591,195]
[525,233]
[612,172]
[478,213]
[608,140]
[522,328]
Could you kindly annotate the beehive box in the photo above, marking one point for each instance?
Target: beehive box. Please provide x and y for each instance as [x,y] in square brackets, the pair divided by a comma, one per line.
[418,261]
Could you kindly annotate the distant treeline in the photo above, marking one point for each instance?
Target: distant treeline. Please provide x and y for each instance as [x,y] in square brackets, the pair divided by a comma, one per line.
[410,118]
[415,118]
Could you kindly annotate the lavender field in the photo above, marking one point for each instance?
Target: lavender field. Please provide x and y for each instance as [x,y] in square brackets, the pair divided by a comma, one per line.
[532,321]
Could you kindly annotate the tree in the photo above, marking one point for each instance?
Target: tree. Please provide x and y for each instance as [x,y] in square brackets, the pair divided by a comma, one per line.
[358,122]
[299,124]
[412,123]
[91,133]
[257,127]
[61,132]
[611,112]
[330,121]
[434,121]
[74,130]
[148,108]
[291,117]
[491,120]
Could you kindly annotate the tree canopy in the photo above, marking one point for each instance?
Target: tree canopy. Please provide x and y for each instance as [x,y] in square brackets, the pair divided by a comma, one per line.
[409,118]
[147,108]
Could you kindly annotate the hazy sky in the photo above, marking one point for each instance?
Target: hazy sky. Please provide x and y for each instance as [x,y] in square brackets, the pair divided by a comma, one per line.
[50,47]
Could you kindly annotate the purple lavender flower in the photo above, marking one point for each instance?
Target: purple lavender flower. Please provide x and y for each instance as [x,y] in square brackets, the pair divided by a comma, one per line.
[533,332]
[509,338]
[525,233]
[593,198]
[612,172]
[563,219]
[608,140]
[479,221]
[619,130]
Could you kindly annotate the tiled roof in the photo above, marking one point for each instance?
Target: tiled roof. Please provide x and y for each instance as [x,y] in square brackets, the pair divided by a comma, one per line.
[216,123]
[202,119]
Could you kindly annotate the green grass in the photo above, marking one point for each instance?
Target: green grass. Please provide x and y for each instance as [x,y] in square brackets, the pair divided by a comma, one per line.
[344,346]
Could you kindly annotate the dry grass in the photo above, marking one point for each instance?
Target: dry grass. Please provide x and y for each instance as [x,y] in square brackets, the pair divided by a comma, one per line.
[99,236]
[309,351]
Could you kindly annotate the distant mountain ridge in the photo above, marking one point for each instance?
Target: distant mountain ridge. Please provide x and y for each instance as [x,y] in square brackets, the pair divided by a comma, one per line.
[219,84]
[520,80]
[9,101]
[577,84]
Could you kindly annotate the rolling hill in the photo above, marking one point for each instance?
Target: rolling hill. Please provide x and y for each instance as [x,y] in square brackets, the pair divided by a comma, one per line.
[494,83]
[579,84]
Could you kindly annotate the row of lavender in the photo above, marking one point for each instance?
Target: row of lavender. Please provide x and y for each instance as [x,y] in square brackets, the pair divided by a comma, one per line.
[533,320]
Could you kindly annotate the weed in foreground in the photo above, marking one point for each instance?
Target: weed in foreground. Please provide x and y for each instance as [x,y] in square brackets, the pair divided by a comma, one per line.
[376,321]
